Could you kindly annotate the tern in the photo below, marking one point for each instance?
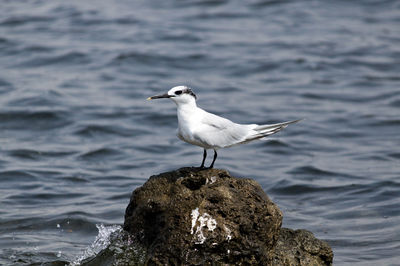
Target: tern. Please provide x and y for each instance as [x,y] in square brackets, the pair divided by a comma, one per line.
[209,131]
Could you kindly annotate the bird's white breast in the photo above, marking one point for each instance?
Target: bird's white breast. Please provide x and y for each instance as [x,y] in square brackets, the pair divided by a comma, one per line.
[189,120]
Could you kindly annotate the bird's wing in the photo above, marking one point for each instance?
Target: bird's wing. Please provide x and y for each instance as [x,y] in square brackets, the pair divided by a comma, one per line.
[218,132]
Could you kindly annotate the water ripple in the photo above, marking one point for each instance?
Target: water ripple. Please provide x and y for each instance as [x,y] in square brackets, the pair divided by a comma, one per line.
[33,120]
[22,20]
[70,58]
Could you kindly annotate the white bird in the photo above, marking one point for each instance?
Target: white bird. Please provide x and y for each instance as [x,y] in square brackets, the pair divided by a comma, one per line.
[209,131]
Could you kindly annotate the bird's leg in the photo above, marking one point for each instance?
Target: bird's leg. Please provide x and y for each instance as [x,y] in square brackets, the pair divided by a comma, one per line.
[215,157]
[204,158]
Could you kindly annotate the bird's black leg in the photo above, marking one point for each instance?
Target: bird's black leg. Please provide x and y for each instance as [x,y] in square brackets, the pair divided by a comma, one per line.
[215,157]
[204,158]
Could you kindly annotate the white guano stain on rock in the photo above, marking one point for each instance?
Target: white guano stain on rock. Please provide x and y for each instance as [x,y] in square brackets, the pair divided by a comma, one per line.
[199,222]
[228,233]
[195,214]
[212,180]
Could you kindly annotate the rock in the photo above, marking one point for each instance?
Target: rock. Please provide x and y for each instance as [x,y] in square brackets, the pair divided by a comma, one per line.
[193,217]
[207,217]
[300,247]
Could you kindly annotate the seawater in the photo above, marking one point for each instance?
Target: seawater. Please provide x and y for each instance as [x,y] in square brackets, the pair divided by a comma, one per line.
[77,135]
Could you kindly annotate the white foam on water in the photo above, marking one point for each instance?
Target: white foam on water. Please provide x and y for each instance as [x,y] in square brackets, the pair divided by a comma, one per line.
[101,242]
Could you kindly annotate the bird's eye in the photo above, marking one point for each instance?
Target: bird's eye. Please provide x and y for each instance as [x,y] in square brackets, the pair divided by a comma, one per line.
[178,92]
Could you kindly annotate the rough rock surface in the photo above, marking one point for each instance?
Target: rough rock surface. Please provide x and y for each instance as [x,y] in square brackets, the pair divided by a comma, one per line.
[300,247]
[207,217]
[200,217]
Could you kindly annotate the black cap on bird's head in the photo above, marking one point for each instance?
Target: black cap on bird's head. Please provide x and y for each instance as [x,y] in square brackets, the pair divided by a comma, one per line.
[178,94]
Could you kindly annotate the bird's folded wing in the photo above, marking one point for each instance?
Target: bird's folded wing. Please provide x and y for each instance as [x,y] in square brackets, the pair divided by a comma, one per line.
[218,132]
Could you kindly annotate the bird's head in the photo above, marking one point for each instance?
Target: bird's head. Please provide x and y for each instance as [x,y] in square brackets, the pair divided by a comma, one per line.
[179,94]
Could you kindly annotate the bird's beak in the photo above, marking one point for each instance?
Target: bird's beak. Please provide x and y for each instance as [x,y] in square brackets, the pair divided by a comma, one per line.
[159,96]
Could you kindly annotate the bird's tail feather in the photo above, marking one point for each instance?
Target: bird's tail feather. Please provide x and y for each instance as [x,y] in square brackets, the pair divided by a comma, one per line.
[267,130]
[262,131]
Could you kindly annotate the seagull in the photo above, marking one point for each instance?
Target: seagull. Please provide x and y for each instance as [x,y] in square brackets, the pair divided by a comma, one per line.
[209,131]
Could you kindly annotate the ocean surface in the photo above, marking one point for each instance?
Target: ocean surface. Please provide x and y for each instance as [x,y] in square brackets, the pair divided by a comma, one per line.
[77,135]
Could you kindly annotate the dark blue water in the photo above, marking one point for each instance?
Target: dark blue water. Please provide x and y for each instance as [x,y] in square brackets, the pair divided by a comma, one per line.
[77,135]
